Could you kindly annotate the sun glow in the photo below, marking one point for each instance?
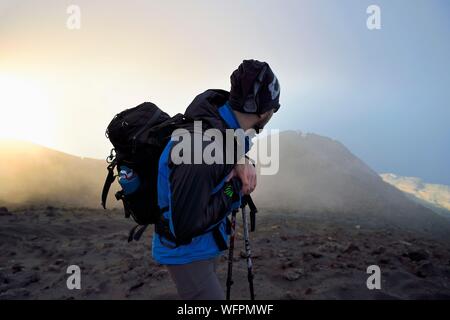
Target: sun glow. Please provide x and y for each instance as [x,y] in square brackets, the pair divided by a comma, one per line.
[25,110]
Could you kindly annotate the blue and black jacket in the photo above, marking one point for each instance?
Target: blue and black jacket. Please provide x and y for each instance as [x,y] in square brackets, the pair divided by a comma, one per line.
[195,197]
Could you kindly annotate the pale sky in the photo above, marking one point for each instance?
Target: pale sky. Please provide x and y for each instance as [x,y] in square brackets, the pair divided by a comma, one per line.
[384,94]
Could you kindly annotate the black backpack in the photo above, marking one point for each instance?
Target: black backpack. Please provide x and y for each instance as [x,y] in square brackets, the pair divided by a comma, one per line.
[139,135]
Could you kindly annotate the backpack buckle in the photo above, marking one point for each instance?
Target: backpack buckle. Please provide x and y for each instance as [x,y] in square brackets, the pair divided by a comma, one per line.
[112,156]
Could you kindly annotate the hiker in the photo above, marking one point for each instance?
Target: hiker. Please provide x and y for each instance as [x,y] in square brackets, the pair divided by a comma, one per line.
[195,199]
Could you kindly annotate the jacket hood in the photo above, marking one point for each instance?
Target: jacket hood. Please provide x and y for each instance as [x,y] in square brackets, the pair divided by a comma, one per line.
[205,107]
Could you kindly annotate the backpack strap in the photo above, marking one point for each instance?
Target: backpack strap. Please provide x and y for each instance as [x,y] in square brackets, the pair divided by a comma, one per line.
[220,241]
[163,229]
[108,182]
[136,235]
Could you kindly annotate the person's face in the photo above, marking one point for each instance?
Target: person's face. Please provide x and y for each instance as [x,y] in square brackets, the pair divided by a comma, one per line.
[263,120]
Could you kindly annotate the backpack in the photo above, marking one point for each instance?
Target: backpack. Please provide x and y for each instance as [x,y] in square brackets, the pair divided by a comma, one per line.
[139,135]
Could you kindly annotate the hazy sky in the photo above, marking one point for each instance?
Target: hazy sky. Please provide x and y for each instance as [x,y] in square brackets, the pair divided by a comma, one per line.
[384,94]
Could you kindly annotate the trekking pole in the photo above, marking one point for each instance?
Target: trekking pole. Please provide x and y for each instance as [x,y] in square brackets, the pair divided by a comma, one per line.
[248,251]
[253,211]
[230,254]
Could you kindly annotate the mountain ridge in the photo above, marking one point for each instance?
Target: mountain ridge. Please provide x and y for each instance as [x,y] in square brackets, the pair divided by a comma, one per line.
[317,176]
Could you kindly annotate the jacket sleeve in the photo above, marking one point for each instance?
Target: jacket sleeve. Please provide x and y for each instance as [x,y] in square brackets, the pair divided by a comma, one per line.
[200,198]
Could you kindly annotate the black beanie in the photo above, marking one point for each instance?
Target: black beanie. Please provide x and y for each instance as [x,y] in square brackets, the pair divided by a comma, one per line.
[254,88]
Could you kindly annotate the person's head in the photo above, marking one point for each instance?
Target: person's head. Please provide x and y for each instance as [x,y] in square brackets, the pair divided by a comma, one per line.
[254,94]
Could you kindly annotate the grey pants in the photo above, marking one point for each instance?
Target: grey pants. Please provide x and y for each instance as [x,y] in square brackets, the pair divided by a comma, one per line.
[197,280]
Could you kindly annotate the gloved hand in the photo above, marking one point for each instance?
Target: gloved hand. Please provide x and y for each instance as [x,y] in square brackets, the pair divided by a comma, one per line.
[232,190]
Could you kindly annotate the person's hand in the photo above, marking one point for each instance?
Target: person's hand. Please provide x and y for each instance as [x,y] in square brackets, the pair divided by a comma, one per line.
[246,172]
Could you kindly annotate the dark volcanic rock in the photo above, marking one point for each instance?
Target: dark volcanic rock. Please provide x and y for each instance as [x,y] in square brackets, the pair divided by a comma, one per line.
[287,264]
[417,255]
[351,248]
[313,254]
[19,293]
[4,211]
[293,274]
[29,279]
[289,295]
[17,267]
[379,250]
[425,269]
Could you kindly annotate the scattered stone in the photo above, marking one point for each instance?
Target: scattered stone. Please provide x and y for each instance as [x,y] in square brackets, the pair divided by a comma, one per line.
[29,279]
[291,275]
[308,291]
[314,254]
[137,285]
[59,262]
[129,276]
[351,248]
[333,266]
[425,269]
[19,293]
[53,268]
[17,267]
[160,274]
[4,279]
[417,255]
[287,264]
[379,250]
[406,243]
[91,290]
[289,295]
[437,255]
[256,254]
[300,271]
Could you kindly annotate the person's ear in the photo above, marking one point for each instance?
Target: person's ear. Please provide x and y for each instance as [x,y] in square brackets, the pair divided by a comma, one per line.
[267,115]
